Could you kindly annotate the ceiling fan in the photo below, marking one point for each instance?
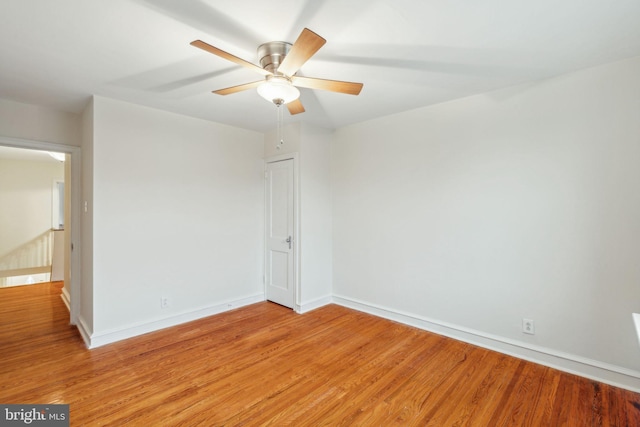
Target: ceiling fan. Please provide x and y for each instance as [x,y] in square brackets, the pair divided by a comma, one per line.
[279,63]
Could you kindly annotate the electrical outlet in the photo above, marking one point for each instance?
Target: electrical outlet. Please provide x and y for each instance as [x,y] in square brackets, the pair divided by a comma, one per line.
[164,302]
[528,326]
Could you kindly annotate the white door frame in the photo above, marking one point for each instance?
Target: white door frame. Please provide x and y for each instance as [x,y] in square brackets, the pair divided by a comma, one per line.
[296,227]
[76,218]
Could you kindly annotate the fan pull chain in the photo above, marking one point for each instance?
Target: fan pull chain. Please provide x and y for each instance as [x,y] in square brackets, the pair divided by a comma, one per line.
[279,120]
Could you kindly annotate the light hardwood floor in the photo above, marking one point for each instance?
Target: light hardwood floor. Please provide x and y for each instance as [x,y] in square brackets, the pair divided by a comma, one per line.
[265,365]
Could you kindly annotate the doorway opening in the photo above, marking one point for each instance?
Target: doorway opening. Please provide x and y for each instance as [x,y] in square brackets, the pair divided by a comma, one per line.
[32,215]
[35,254]
[281,231]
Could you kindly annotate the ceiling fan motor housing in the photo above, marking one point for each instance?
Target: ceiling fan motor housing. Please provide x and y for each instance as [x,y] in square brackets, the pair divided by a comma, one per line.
[272,54]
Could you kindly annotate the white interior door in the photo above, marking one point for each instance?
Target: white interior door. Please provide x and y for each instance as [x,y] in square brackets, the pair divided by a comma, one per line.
[280,247]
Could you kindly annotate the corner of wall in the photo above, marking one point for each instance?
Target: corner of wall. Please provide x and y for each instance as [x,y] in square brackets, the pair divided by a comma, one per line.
[85,321]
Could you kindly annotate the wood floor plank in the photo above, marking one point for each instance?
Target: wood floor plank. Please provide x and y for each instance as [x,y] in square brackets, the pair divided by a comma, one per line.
[265,365]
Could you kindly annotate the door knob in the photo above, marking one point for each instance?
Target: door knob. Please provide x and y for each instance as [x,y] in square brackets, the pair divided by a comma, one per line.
[289,241]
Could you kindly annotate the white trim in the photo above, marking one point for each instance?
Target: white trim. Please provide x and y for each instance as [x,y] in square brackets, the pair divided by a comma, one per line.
[312,305]
[636,322]
[588,368]
[297,291]
[84,331]
[31,144]
[281,157]
[66,298]
[76,164]
[114,335]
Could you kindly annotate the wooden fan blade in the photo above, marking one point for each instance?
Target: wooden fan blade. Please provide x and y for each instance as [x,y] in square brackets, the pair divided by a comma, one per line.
[295,107]
[236,89]
[229,57]
[349,88]
[304,47]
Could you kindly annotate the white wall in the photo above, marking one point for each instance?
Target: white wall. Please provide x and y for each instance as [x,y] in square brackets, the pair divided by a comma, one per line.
[177,211]
[26,190]
[315,216]
[519,203]
[33,122]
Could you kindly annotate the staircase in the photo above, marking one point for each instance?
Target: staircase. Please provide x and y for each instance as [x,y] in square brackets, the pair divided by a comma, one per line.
[33,257]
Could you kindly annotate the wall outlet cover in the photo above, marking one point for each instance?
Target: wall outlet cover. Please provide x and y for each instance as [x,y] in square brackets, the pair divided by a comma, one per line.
[164,302]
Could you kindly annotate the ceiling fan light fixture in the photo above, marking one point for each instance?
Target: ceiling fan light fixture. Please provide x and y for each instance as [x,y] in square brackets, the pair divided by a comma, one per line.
[278,90]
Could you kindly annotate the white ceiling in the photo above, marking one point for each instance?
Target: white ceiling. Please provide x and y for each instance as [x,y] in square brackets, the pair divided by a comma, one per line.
[408,53]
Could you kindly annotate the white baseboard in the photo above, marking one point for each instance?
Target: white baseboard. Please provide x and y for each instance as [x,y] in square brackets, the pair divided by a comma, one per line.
[312,305]
[592,369]
[66,298]
[85,332]
[108,337]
